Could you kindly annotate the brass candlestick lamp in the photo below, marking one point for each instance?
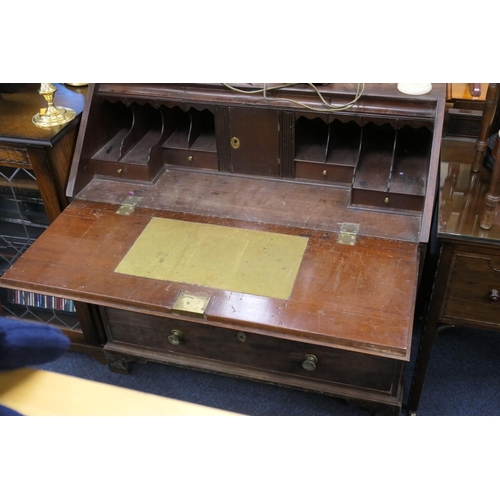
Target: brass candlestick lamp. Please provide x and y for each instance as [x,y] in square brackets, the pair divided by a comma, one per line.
[52,116]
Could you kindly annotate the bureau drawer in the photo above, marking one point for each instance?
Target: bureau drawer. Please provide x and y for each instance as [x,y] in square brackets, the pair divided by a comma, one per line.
[386,200]
[253,350]
[324,172]
[473,289]
[189,158]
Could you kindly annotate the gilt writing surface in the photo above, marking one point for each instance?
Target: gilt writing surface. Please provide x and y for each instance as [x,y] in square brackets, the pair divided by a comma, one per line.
[240,260]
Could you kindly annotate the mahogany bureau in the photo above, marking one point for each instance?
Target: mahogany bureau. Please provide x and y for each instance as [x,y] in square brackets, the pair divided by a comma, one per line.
[333,187]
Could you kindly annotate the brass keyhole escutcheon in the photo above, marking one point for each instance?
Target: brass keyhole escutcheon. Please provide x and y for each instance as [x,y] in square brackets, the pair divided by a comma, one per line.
[235,143]
[309,362]
[175,337]
[241,336]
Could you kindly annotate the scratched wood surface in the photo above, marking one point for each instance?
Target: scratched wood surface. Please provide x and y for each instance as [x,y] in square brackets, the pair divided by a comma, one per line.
[358,297]
[286,203]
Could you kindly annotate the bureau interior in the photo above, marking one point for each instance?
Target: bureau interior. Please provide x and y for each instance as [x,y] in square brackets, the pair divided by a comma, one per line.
[383,161]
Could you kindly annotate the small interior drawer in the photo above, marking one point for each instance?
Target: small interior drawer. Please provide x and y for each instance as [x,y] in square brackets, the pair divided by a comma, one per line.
[190,158]
[324,172]
[388,200]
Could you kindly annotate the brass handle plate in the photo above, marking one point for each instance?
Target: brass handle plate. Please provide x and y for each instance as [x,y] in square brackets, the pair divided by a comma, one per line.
[190,304]
[494,296]
[235,143]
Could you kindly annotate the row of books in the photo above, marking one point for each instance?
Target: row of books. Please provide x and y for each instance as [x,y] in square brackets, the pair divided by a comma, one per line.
[41,301]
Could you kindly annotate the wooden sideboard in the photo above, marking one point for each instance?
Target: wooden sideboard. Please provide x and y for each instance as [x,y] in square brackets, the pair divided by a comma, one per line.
[235,170]
[467,281]
[34,171]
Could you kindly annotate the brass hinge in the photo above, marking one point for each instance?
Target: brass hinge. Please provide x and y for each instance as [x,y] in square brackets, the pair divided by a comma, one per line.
[348,233]
[128,206]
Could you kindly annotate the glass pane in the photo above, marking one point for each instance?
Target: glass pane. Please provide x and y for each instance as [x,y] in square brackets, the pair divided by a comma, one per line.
[22,220]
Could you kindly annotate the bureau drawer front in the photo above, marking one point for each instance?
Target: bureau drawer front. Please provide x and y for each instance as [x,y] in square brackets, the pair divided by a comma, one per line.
[122,170]
[471,292]
[254,350]
[324,172]
[387,200]
[189,158]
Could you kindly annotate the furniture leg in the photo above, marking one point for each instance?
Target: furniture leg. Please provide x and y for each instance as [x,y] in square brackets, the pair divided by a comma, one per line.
[429,331]
[118,364]
[493,196]
[489,111]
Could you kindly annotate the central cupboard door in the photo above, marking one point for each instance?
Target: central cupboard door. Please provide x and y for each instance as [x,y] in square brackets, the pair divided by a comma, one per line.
[254,141]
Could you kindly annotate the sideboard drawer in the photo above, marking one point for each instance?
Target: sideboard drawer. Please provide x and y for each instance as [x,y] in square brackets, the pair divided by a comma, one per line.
[253,350]
[473,292]
[14,156]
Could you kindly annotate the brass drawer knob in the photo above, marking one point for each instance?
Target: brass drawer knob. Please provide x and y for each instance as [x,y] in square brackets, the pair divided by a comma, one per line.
[386,200]
[494,296]
[325,173]
[119,171]
[175,337]
[309,362]
[190,158]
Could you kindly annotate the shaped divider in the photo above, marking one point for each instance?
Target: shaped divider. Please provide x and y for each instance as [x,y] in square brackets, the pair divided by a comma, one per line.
[327,148]
[393,165]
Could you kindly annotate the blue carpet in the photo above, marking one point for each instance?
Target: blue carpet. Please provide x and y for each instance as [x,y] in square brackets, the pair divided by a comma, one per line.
[463,378]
